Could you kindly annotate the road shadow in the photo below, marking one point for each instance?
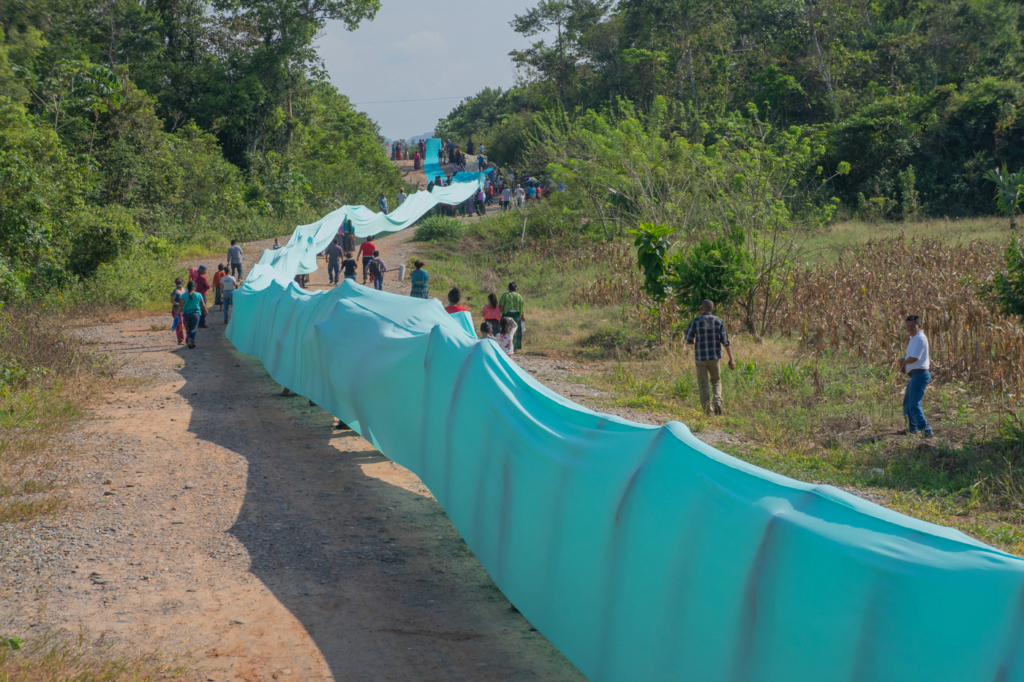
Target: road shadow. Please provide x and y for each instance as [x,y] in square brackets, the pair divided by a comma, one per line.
[350,543]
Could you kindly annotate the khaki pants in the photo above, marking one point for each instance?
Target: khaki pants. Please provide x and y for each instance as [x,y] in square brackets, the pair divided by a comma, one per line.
[706,369]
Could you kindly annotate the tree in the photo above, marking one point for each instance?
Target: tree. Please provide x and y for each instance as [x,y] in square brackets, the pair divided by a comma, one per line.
[1009,192]
[1007,290]
[569,19]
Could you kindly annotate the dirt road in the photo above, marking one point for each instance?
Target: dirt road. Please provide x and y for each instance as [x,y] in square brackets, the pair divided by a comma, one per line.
[220,521]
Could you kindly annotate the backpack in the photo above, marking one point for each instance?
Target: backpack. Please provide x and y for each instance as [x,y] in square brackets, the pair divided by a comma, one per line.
[374,268]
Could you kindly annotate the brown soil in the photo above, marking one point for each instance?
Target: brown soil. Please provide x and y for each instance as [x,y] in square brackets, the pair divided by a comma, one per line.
[217,520]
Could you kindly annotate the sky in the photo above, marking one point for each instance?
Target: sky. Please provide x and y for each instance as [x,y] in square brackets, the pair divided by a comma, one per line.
[420,50]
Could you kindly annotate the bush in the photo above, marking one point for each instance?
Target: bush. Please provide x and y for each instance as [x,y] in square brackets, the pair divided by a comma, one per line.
[438,229]
[715,269]
[102,235]
[11,286]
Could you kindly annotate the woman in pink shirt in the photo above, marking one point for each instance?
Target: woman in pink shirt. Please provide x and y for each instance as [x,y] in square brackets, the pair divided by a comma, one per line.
[492,313]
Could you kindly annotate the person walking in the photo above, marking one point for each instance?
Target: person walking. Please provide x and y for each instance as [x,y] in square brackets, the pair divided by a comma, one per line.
[916,364]
[402,196]
[377,269]
[454,300]
[202,286]
[416,161]
[177,304]
[382,204]
[228,283]
[334,254]
[221,271]
[419,278]
[348,238]
[481,196]
[707,334]
[492,313]
[506,198]
[235,258]
[520,196]
[366,249]
[193,310]
[506,336]
[512,306]
[349,266]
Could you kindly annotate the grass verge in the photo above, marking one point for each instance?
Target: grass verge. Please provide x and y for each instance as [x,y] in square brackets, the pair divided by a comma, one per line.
[58,655]
[46,379]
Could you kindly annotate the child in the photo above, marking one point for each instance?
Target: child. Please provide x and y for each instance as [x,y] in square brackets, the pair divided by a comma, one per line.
[349,266]
[485,331]
[218,299]
[506,336]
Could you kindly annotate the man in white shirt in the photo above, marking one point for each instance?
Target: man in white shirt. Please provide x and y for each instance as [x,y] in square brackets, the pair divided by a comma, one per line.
[227,285]
[520,195]
[401,197]
[915,364]
[506,198]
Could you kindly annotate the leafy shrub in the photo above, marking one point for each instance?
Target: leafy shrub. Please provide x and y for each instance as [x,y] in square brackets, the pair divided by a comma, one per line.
[1007,290]
[12,288]
[716,269]
[438,229]
[102,235]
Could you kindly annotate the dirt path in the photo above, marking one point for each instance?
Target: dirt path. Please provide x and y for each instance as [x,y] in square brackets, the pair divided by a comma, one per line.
[220,521]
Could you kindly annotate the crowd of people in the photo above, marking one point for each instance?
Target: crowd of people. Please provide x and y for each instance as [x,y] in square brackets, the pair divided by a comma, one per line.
[189,309]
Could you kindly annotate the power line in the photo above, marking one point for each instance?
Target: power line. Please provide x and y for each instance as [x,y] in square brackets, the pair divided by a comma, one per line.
[395,101]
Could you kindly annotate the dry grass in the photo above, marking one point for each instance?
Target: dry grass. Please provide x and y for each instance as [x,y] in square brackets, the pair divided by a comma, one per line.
[58,656]
[46,379]
[827,244]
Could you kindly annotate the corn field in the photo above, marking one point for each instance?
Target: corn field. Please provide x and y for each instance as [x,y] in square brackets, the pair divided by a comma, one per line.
[858,304]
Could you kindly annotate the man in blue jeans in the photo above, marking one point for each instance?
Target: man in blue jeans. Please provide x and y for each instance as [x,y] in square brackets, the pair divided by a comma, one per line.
[334,254]
[915,364]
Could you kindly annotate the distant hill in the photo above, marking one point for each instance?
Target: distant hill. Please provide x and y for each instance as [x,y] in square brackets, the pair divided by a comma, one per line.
[422,136]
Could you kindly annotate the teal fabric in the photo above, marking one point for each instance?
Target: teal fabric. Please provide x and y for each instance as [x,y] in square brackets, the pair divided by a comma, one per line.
[299,254]
[642,553]
[431,168]
[465,321]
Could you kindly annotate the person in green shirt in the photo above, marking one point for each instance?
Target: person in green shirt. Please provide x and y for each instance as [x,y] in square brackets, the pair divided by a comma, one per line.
[512,304]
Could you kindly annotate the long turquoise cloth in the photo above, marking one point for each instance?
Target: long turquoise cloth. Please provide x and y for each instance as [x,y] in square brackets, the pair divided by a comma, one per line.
[299,254]
[431,168]
[642,553]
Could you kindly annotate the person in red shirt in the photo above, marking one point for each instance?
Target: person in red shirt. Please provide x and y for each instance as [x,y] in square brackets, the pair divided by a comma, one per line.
[454,296]
[202,286]
[367,248]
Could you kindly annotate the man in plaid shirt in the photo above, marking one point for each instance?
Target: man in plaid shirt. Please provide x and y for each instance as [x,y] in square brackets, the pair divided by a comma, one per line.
[707,334]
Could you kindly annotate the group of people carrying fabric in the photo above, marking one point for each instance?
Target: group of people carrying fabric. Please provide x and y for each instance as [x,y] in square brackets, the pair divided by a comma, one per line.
[340,263]
[504,318]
